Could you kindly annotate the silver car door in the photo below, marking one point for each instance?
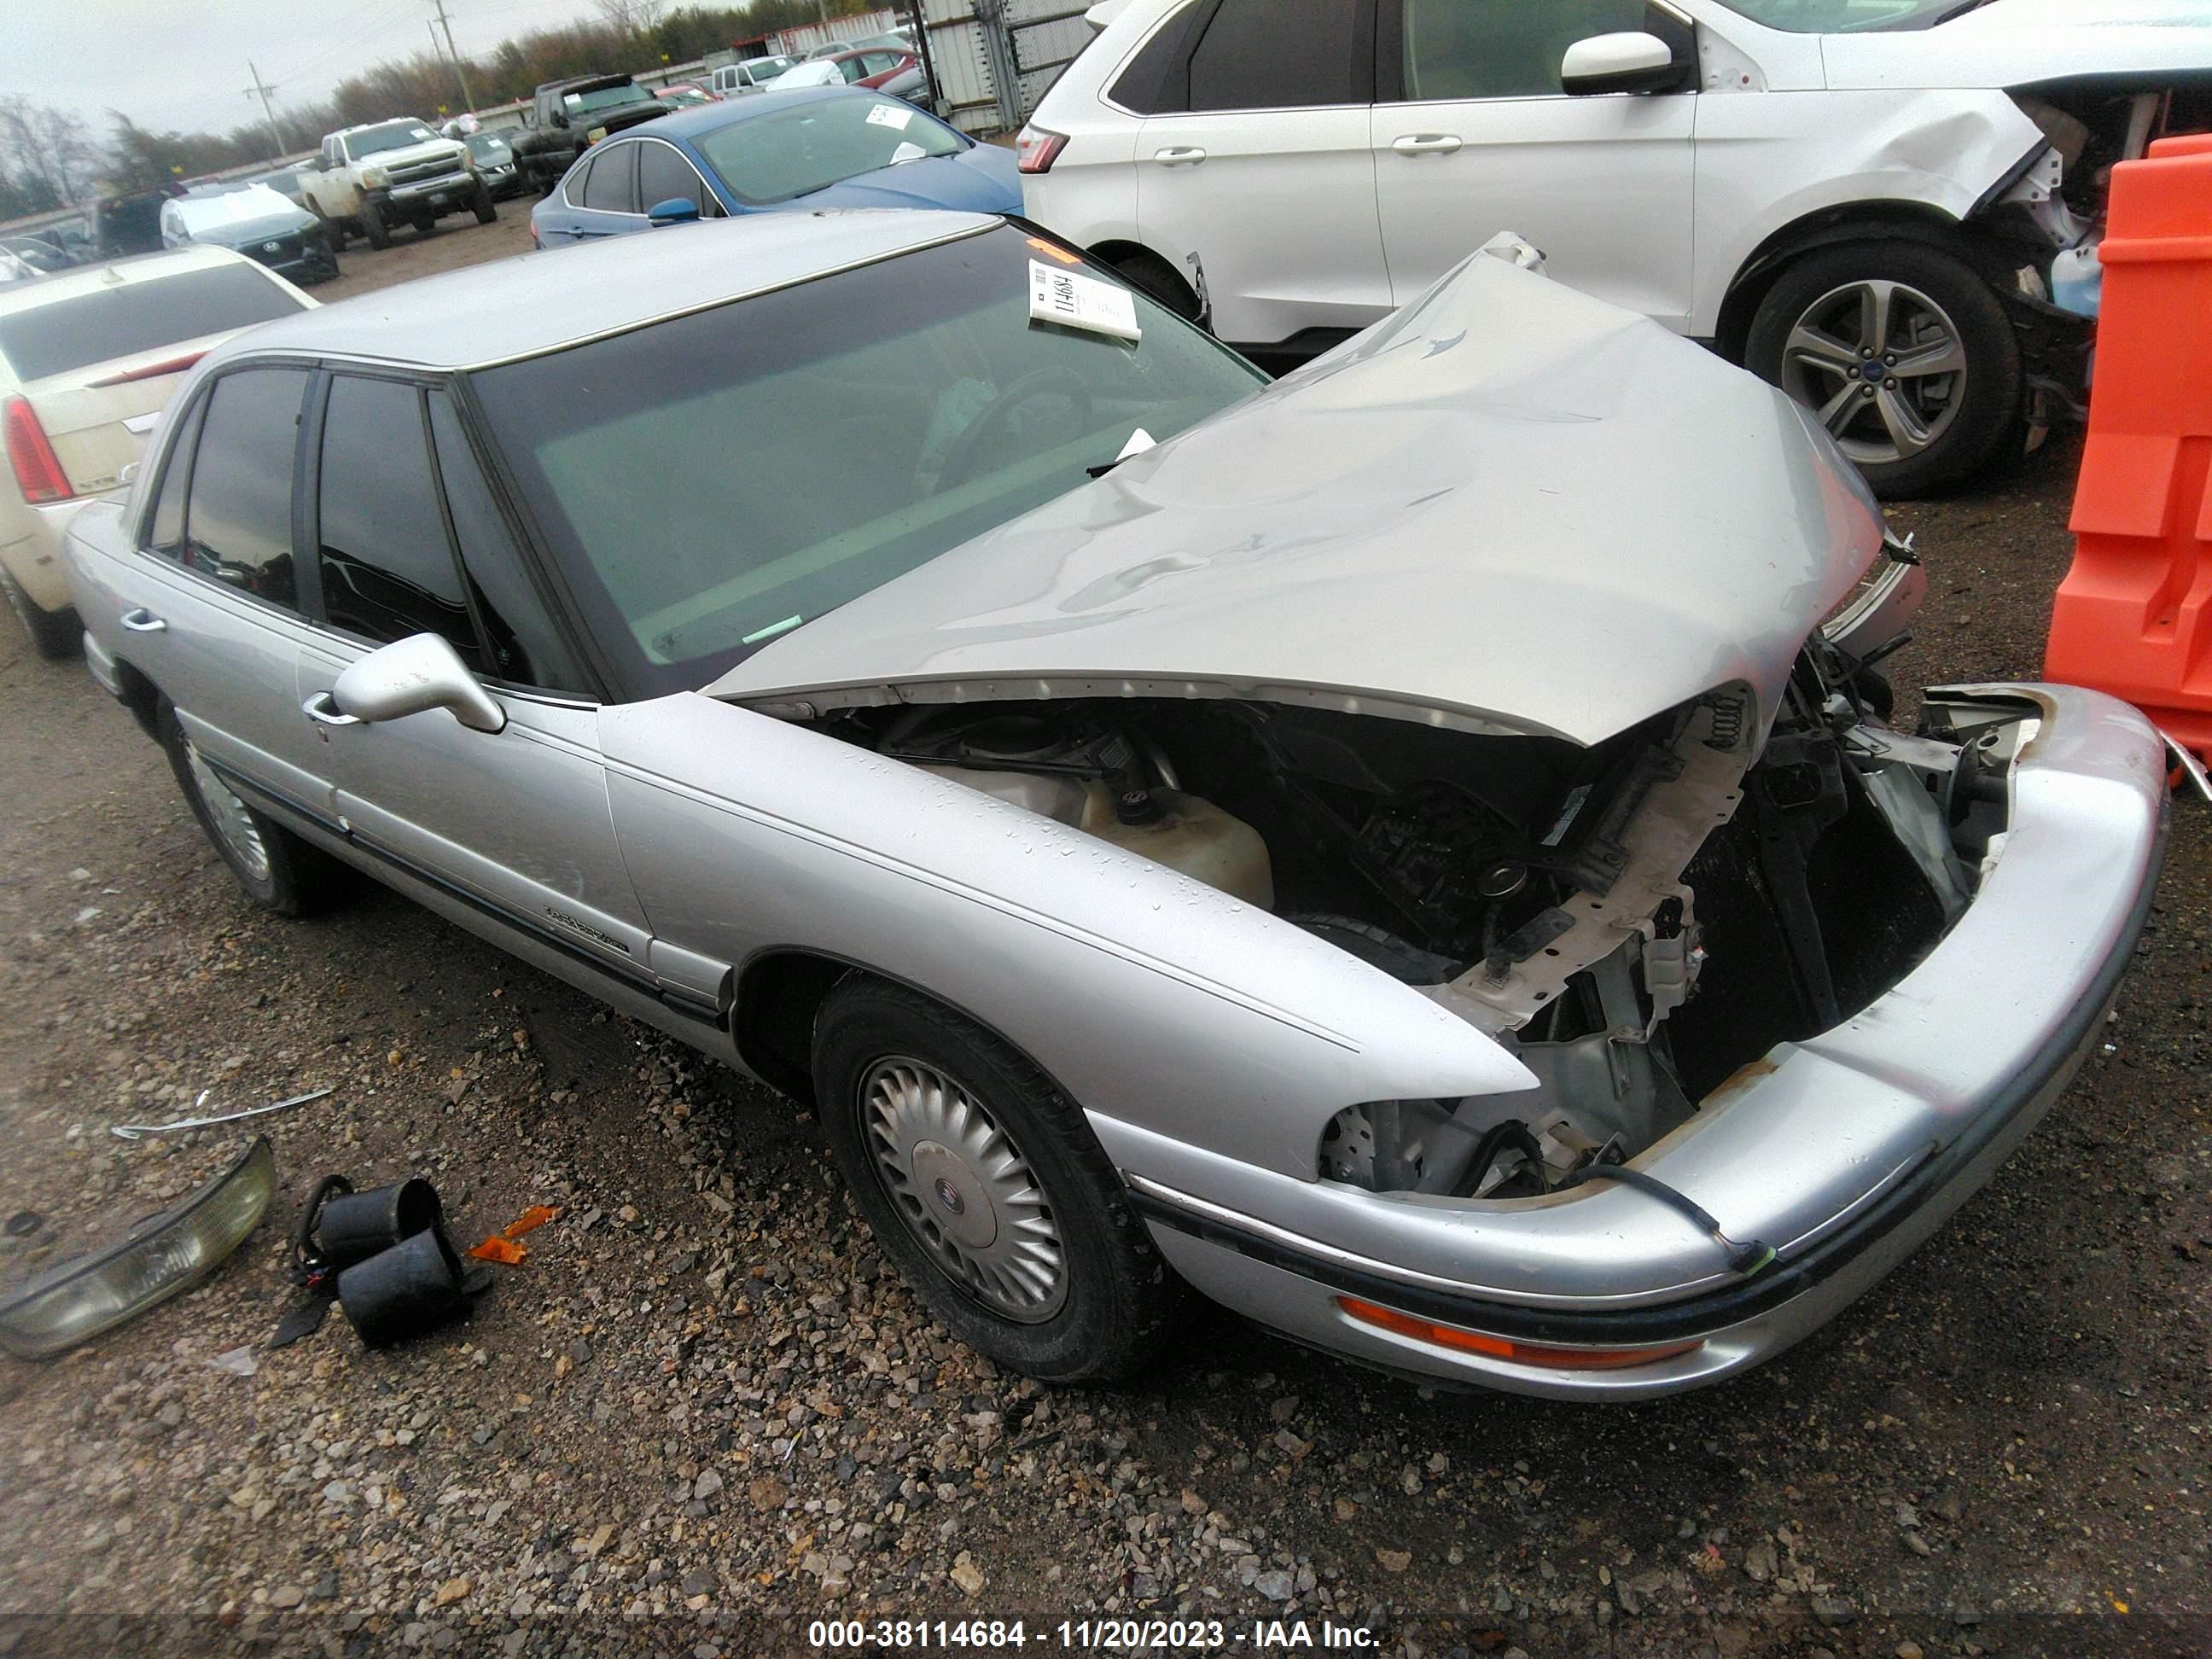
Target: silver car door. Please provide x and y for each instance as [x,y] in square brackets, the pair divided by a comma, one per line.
[212,590]
[514,822]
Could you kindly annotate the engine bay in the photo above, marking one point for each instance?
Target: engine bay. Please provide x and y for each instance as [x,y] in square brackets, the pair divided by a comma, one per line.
[1635,922]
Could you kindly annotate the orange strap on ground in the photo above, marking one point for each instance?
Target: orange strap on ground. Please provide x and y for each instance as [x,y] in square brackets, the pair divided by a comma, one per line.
[2134,616]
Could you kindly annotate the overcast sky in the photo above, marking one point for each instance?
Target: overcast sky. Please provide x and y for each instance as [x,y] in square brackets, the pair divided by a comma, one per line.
[182,62]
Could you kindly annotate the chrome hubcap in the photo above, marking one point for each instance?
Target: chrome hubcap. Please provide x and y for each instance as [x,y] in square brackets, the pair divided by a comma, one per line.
[233,821]
[963,1189]
[1882,365]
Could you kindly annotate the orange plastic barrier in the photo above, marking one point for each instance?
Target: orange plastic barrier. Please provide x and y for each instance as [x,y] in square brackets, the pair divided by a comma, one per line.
[2134,616]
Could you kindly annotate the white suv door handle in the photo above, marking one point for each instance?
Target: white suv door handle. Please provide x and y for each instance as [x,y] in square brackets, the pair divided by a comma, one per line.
[1427,144]
[143,621]
[1181,156]
[322,710]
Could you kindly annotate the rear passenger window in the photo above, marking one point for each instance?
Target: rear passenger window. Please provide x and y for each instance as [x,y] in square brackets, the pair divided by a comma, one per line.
[167,534]
[387,565]
[1280,54]
[612,187]
[1464,49]
[238,524]
[573,185]
[527,647]
[1153,83]
[663,175]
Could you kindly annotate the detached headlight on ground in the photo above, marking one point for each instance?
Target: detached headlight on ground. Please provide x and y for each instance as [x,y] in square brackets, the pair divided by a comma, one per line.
[163,1255]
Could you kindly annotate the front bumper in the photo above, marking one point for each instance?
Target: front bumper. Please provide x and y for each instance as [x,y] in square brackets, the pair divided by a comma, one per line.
[448,193]
[1845,1151]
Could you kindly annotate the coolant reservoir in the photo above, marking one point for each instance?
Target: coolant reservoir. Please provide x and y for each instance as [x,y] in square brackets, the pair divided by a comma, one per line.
[1192,835]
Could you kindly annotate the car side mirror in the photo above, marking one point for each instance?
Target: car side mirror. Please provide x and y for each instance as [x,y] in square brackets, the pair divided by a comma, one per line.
[411,677]
[1631,62]
[557,119]
[676,210]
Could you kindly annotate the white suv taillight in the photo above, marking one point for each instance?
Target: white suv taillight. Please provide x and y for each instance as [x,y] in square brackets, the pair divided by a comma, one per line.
[1037,149]
[37,468]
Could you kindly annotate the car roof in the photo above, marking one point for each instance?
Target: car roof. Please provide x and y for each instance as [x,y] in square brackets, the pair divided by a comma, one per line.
[538,302]
[137,268]
[713,118]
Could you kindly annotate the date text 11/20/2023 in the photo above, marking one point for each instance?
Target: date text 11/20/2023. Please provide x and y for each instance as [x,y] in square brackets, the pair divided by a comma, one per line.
[1086,1635]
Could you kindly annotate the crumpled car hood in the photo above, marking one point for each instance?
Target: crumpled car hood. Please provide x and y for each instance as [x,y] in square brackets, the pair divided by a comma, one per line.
[2022,43]
[1509,507]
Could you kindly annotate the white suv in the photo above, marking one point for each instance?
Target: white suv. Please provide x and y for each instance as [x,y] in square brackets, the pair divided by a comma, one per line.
[1863,200]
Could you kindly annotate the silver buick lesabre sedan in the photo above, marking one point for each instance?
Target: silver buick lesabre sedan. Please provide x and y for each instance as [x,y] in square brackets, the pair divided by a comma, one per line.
[1416,851]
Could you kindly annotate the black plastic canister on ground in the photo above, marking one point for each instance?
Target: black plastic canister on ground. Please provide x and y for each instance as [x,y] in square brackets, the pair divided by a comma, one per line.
[405,1290]
[355,1226]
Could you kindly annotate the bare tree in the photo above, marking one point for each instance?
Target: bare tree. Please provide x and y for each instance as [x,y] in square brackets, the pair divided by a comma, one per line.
[632,17]
[40,141]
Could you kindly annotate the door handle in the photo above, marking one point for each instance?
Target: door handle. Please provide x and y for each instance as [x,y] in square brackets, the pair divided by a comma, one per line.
[143,621]
[1427,144]
[1181,156]
[322,710]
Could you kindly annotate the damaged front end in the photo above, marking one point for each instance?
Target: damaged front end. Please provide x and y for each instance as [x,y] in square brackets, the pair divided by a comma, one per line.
[2046,218]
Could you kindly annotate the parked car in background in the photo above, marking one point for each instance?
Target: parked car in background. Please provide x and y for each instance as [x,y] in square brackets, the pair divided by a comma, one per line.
[254,220]
[88,359]
[285,181]
[492,153]
[39,253]
[685,95]
[893,39]
[826,147]
[749,74]
[129,223]
[1862,200]
[877,68]
[368,178]
[567,118]
[1163,824]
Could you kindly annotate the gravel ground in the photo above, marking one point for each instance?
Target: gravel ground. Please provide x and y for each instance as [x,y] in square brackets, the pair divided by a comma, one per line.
[703,1412]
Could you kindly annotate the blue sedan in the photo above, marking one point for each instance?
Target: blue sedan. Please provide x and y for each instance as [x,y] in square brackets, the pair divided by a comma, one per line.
[820,147]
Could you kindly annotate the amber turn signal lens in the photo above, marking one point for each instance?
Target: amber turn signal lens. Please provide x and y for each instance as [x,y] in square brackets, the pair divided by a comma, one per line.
[1500,1347]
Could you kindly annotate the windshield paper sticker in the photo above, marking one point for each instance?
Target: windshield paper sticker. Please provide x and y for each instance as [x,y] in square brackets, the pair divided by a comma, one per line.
[886,115]
[1075,301]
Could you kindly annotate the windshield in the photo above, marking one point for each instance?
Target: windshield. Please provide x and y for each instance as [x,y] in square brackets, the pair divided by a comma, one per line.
[590,103]
[712,482]
[233,207]
[1847,16]
[808,146]
[144,315]
[767,69]
[392,135]
[486,147]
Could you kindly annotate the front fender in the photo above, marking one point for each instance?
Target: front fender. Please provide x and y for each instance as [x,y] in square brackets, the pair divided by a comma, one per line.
[1151,998]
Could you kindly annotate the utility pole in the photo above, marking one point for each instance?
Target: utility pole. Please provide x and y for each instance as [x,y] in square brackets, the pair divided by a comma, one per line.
[267,108]
[468,98]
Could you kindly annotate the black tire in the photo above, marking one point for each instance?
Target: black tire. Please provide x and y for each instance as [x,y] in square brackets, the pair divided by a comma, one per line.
[333,229]
[487,210]
[1971,420]
[1116,1294]
[372,227]
[56,636]
[1160,279]
[290,877]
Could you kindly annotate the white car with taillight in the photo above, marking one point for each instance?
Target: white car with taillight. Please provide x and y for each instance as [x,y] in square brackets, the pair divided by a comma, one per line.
[88,360]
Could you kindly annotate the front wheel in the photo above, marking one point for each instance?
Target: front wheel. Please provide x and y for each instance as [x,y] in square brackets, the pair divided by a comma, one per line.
[1160,279]
[487,210]
[1903,353]
[333,229]
[372,227]
[278,871]
[984,1185]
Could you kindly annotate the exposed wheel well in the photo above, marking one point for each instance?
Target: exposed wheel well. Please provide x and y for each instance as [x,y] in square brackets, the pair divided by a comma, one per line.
[1113,252]
[1852,222]
[773,1023]
[140,696]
